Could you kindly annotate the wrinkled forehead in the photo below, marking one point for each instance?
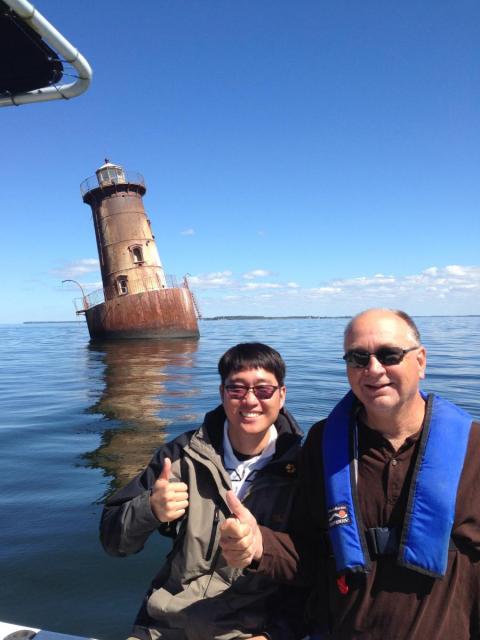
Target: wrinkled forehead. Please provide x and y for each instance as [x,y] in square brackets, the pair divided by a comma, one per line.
[380,329]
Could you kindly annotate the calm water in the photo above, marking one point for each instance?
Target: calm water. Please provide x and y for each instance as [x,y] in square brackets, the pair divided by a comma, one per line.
[78,419]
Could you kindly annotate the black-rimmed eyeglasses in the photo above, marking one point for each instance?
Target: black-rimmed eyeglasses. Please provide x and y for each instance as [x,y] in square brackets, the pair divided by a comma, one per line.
[261,391]
[387,356]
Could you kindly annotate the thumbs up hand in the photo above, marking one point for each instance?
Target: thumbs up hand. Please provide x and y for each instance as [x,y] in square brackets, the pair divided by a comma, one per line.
[240,537]
[169,498]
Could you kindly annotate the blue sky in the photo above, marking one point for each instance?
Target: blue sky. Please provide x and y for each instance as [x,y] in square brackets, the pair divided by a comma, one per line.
[305,157]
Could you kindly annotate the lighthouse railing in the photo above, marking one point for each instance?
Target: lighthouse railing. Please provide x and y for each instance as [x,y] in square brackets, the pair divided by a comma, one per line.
[131,177]
[134,286]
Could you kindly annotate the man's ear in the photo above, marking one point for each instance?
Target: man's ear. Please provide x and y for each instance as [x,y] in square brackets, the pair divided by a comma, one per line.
[422,362]
[283,394]
[221,391]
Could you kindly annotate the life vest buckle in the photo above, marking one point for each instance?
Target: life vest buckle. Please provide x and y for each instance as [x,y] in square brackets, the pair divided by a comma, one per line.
[382,541]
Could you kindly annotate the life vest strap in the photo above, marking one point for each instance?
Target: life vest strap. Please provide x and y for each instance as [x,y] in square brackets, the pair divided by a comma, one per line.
[383,541]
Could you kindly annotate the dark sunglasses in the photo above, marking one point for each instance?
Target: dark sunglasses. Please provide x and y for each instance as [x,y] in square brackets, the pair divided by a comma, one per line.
[388,356]
[261,391]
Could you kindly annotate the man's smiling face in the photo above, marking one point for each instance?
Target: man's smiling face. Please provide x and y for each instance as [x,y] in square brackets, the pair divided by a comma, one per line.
[249,418]
[380,388]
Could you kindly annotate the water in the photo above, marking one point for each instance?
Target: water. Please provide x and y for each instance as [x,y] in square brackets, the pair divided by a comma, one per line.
[80,419]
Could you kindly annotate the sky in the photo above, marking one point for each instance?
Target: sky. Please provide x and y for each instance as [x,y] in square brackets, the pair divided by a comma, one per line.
[301,158]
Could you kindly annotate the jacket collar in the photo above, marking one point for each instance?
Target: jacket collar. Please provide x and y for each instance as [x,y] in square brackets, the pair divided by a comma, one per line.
[289,432]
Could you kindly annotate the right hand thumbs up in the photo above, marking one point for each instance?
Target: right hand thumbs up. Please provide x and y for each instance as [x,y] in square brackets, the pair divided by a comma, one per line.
[167,466]
[169,498]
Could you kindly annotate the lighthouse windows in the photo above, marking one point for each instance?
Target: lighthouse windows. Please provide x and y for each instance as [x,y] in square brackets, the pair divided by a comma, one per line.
[111,175]
[137,254]
[122,283]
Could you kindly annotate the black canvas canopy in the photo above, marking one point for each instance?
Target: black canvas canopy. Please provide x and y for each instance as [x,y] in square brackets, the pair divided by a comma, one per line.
[26,61]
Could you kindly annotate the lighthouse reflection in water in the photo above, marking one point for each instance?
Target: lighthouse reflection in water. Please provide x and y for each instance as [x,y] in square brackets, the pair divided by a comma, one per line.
[147,386]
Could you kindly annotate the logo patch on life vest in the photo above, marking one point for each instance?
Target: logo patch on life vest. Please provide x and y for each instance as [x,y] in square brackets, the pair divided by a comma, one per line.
[338,515]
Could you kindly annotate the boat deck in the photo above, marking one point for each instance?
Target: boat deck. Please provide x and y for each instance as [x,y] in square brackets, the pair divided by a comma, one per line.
[7,629]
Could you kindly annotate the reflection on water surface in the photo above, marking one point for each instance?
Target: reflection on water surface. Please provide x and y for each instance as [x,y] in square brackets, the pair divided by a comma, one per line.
[140,377]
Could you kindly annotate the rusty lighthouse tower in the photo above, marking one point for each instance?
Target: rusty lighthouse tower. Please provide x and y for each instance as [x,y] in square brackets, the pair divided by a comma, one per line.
[137,299]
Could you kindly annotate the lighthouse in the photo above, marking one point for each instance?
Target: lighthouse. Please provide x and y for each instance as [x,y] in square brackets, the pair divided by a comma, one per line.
[137,299]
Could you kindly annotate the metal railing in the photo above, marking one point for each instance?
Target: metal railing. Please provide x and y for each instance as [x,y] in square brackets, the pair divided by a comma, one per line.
[134,286]
[131,177]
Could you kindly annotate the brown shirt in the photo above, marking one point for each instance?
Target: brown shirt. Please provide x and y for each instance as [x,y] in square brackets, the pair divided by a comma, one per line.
[390,602]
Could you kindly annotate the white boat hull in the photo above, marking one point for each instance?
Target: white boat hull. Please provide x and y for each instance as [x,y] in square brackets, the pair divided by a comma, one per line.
[7,629]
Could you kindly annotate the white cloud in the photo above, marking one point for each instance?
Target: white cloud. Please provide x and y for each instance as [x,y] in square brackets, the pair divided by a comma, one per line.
[364,281]
[256,273]
[88,287]
[262,285]
[211,280]
[434,281]
[77,268]
[187,232]
[445,290]
[456,270]
[325,290]
[91,286]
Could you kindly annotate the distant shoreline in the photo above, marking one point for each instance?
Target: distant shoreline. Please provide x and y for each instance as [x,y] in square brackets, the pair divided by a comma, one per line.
[454,315]
[53,322]
[275,317]
[213,318]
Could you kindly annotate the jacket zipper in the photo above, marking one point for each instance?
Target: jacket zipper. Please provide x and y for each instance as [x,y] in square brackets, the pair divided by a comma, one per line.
[212,570]
[208,555]
[213,534]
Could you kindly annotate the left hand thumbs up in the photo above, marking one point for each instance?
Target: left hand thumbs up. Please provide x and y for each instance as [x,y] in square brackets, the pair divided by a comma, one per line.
[240,537]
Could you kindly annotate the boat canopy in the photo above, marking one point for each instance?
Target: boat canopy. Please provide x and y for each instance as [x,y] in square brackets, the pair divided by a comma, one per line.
[26,61]
[33,57]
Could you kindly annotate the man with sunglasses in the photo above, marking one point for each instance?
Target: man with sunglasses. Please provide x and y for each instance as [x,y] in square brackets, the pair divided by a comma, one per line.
[249,444]
[387,523]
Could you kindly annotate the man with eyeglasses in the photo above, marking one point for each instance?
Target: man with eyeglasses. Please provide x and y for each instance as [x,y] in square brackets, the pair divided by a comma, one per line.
[387,523]
[249,445]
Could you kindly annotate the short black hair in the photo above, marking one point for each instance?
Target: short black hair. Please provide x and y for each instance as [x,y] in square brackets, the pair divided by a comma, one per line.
[252,355]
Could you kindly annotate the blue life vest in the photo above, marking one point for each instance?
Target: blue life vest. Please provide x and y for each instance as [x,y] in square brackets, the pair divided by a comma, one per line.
[427,527]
